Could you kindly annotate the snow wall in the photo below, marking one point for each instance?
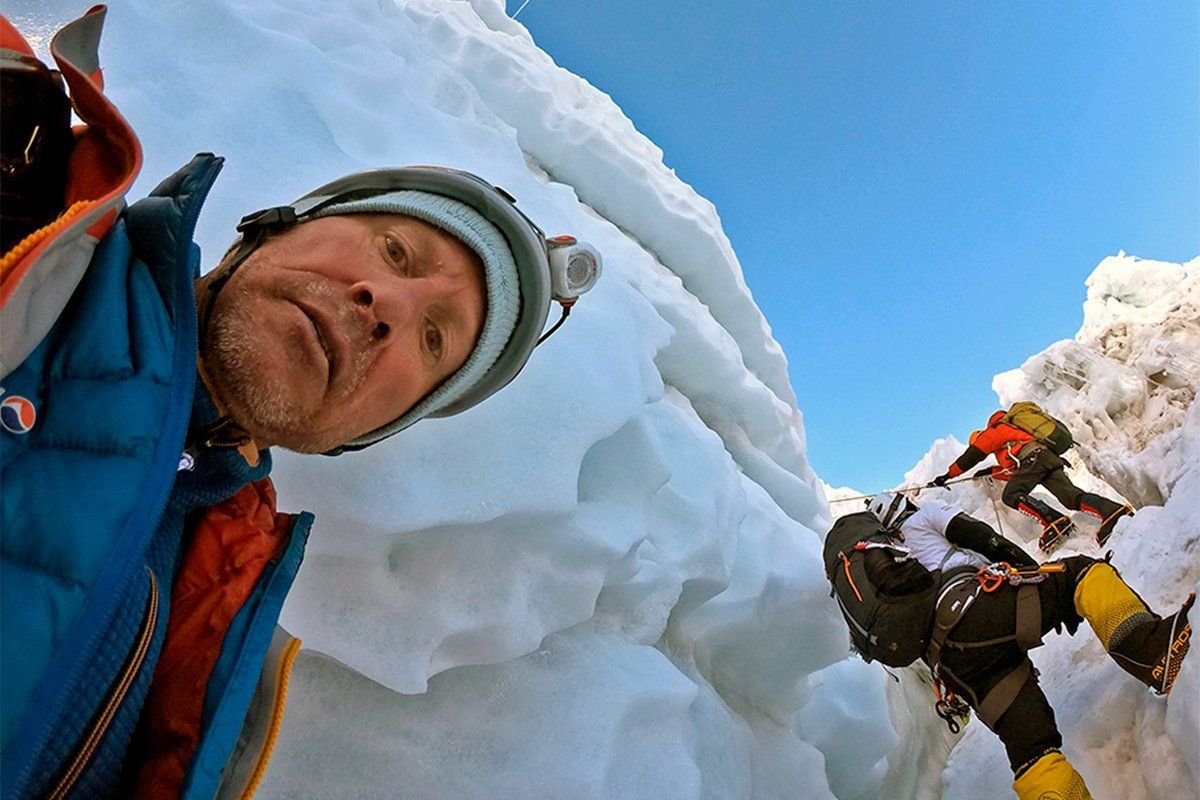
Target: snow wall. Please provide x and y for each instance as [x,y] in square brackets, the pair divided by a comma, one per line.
[605,581]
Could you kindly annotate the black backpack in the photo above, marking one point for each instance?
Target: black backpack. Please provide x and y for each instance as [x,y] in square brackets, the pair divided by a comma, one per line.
[885,594]
[35,146]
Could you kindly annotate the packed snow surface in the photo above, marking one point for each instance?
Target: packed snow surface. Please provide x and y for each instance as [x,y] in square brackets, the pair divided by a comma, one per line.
[605,582]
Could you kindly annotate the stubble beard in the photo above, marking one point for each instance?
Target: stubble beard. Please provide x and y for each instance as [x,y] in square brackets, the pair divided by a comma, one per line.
[258,399]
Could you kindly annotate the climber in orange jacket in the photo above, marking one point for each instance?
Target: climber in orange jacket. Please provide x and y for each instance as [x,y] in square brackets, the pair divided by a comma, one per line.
[1025,461]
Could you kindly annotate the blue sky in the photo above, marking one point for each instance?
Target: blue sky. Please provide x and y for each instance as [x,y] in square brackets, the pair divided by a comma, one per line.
[916,192]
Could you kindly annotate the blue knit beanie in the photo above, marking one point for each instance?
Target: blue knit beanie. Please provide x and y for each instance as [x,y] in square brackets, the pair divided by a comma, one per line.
[500,274]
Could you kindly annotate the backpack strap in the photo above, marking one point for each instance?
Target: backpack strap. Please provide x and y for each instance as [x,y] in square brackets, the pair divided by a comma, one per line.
[958,592]
[996,702]
[1029,617]
[949,552]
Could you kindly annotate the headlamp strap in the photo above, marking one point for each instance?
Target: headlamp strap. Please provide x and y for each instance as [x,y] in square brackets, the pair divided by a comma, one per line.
[253,227]
[276,217]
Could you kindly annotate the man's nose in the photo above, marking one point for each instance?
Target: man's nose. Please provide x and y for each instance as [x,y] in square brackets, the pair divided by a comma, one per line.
[369,312]
[384,310]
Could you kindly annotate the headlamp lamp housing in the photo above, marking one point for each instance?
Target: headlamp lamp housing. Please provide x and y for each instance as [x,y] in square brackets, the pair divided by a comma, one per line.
[574,268]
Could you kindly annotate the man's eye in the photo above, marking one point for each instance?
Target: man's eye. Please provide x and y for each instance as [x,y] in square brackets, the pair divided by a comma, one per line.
[395,251]
[433,340]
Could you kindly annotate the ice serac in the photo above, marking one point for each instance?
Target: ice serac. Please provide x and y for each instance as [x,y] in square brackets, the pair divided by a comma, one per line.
[603,582]
[1135,365]
[1126,386]
[557,116]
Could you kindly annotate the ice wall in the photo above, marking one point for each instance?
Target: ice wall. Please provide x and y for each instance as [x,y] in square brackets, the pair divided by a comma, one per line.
[603,582]
[1128,377]
[1126,387]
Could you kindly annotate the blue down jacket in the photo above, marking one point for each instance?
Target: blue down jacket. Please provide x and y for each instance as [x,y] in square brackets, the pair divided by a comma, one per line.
[95,518]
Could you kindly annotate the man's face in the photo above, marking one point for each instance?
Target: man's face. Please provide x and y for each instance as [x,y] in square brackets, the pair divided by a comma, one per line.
[340,325]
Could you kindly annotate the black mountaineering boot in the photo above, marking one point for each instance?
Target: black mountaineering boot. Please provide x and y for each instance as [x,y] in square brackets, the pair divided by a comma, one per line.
[1149,647]
[1166,665]
[1055,525]
[1153,651]
[1110,522]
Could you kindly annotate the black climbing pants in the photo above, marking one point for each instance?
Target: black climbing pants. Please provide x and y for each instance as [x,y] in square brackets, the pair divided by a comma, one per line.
[973,668]
[1041,465]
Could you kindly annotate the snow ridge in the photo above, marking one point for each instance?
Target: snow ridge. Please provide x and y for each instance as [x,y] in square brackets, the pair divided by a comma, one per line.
[1134,367]
[557,115]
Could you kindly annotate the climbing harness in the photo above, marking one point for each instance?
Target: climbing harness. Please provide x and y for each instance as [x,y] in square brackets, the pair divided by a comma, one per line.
[993,576]
[959,593]
[951,708]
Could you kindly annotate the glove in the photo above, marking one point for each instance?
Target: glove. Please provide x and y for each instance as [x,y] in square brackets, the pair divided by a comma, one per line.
[940,480]
[986,472]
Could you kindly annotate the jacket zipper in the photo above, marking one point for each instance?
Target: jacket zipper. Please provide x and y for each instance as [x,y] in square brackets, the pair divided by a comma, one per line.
[281,692]
[115,697]
[154,494]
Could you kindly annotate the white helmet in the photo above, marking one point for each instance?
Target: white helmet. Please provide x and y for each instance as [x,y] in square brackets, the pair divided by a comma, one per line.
[889,508]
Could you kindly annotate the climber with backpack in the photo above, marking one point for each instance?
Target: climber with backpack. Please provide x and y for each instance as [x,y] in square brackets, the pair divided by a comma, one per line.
[889,558]
[1028,445]
[932,583]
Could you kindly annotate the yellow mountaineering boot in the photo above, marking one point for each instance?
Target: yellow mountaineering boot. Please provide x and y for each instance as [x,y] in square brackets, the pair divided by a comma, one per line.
[1051,778]
[1147,646]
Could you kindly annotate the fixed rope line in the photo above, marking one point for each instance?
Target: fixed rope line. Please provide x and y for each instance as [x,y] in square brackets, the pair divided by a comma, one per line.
[996,509]
[906,489]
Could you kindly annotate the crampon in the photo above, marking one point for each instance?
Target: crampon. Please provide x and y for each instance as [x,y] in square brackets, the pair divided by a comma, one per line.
[1054,534]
